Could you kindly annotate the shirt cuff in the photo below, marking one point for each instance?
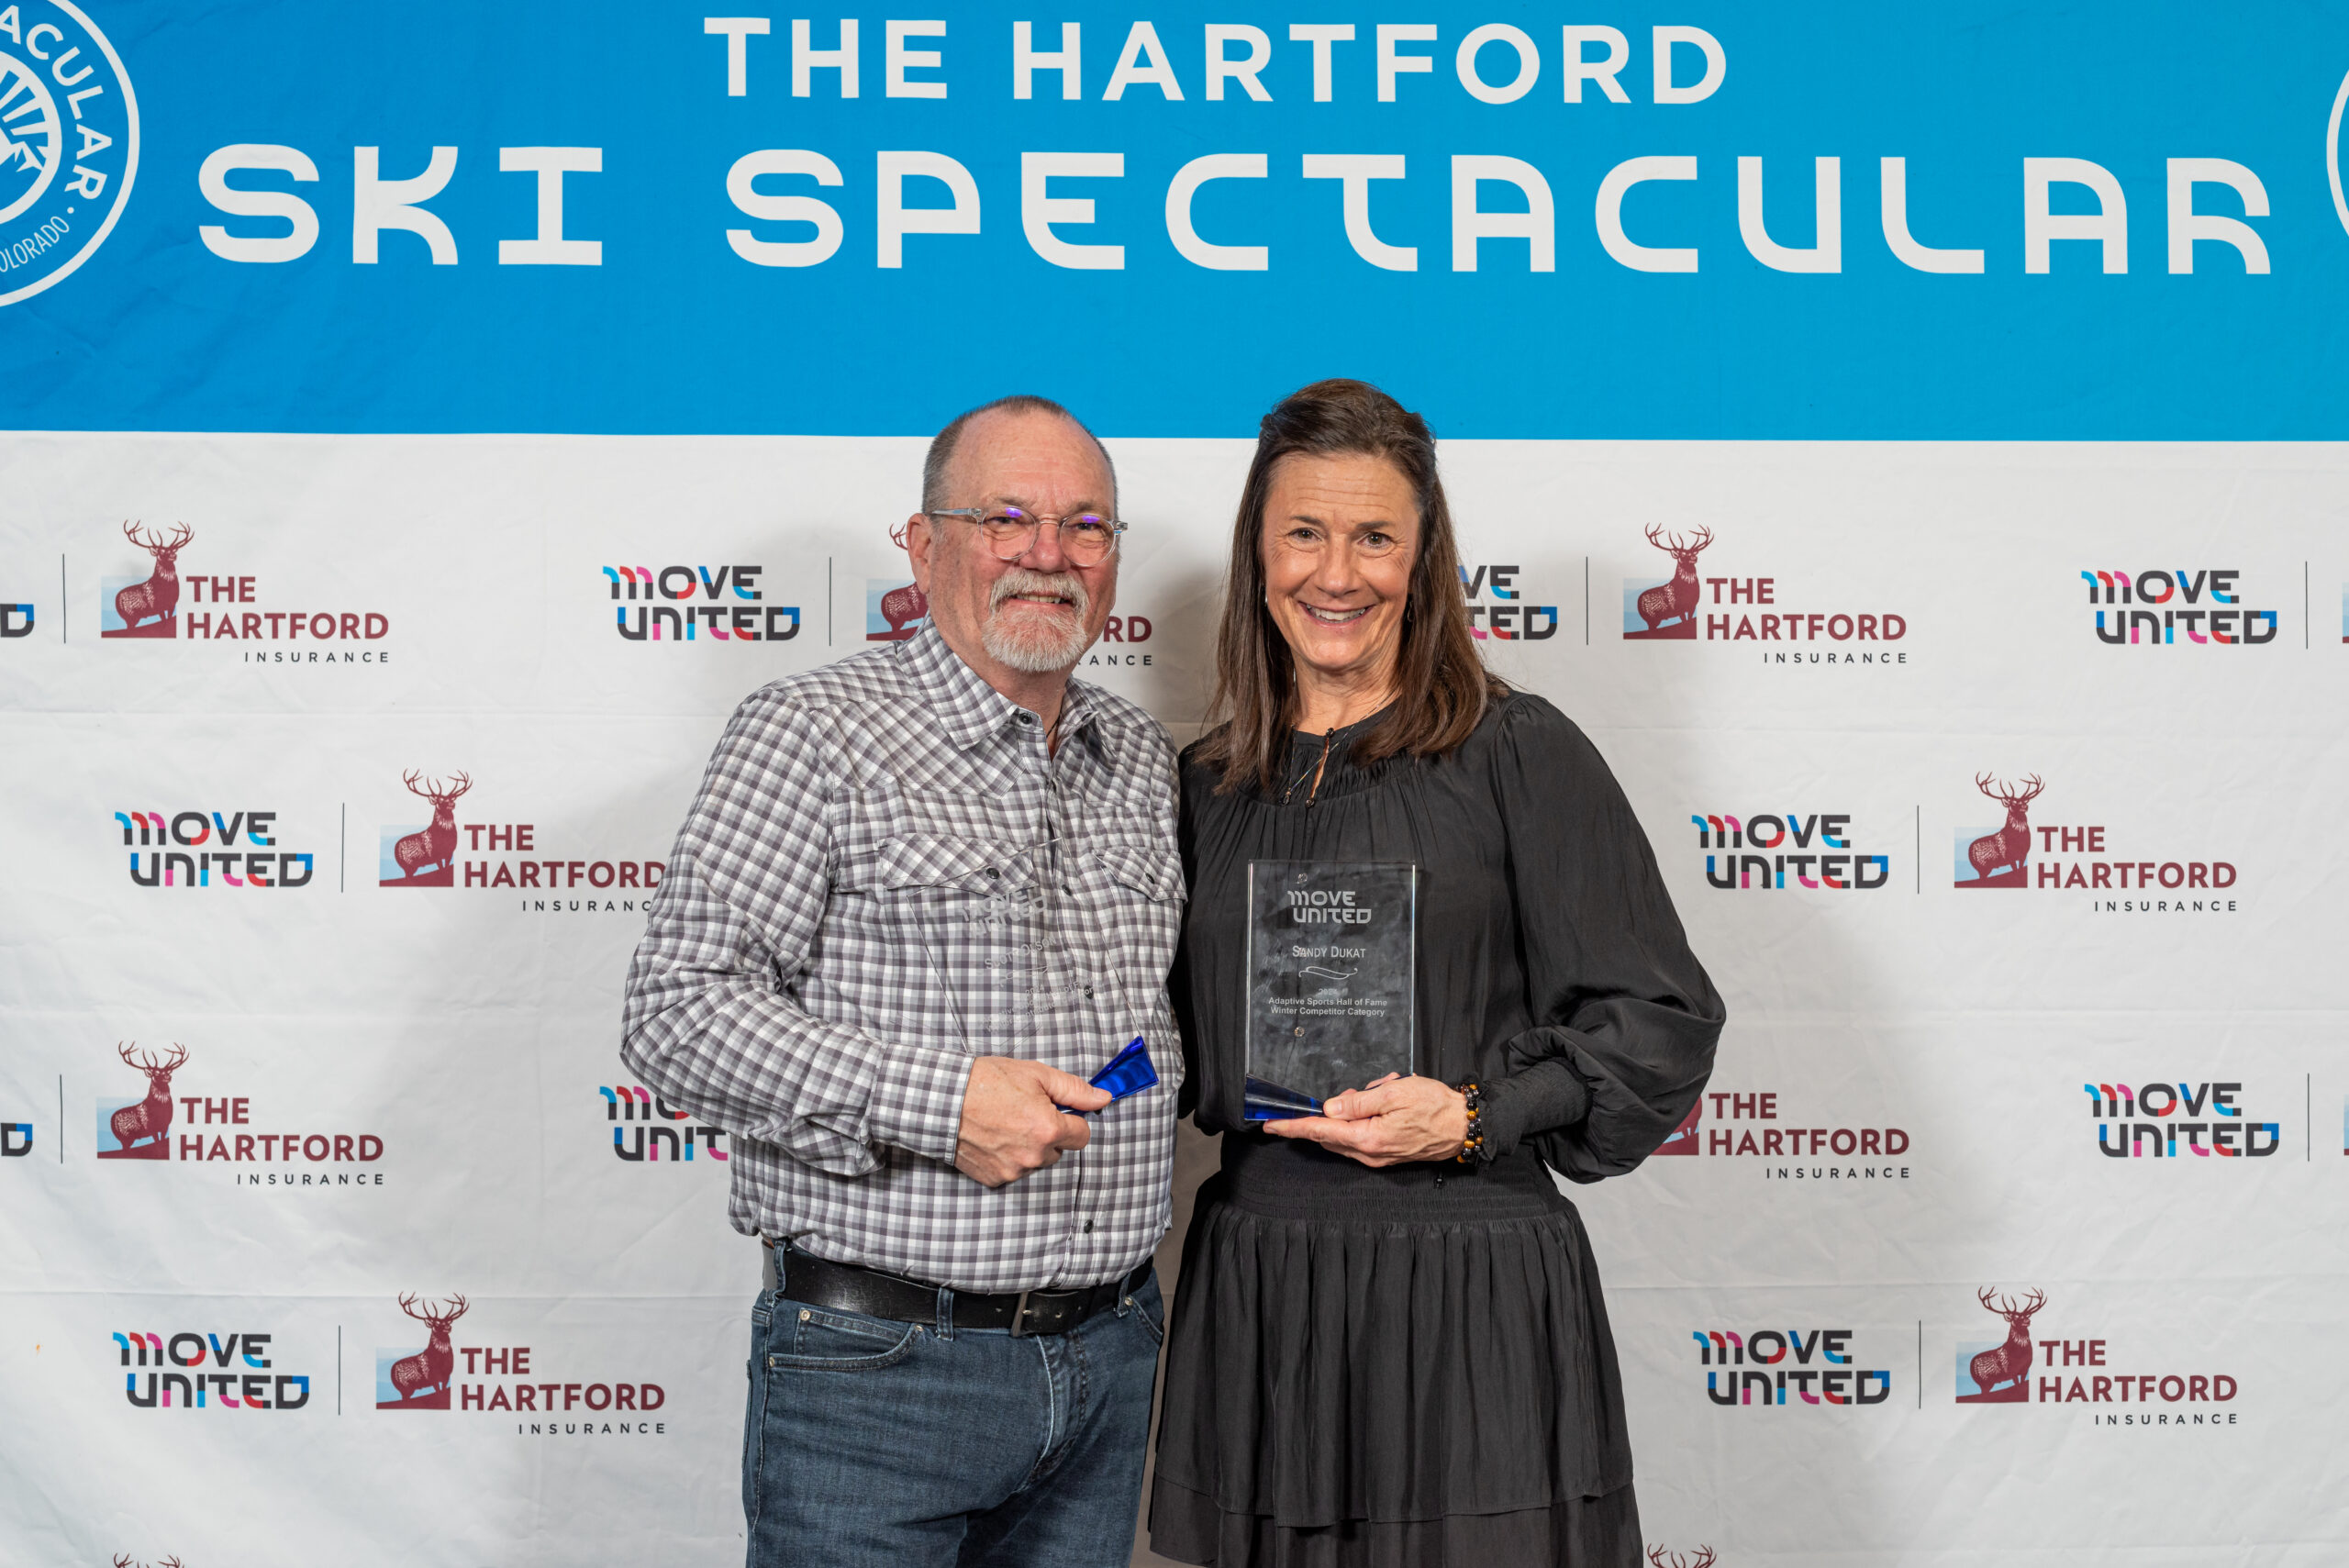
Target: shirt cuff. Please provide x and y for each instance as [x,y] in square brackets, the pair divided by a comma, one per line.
[918,1099]
[1546,1095]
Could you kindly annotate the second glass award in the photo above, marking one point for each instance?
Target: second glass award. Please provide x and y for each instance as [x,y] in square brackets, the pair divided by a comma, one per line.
[1332,959]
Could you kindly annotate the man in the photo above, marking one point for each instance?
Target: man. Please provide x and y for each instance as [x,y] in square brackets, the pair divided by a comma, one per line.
[925,893]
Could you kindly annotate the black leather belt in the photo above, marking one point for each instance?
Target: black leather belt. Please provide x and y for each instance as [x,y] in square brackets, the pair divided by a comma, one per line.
[845,1287]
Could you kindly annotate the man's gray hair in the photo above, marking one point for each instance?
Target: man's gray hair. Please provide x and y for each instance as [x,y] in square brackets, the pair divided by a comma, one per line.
[942,445]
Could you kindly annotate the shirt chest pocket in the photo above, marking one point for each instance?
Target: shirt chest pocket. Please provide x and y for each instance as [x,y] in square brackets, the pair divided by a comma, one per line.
[1131,894]
[1142,871]
[1135,896]
[940,878]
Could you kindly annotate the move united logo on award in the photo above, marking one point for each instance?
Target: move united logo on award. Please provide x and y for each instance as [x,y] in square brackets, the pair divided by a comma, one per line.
[1691,606]
[1332,947]
[1751,1127]
[17,621]
[697,604]
[443,1375]
[2058,857]
[220,1129]
[2025,1367]
[15,1140]
[224,602]
[503,857]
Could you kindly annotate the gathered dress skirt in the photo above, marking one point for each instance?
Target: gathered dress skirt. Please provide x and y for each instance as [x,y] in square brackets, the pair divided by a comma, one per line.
[1397,1368]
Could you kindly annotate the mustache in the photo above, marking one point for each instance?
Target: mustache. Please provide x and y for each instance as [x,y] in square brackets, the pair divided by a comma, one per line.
[1020,580]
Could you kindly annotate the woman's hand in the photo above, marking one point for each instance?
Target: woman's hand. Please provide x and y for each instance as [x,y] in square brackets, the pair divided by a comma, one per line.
[1392,1122]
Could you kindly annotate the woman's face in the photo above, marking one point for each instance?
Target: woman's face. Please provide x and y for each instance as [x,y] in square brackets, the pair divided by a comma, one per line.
[1339,538]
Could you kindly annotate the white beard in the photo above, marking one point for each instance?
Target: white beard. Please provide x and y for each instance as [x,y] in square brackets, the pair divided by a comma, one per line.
[1032,647]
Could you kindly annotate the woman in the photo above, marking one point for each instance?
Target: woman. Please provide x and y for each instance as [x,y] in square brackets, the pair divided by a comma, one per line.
[1388,1346]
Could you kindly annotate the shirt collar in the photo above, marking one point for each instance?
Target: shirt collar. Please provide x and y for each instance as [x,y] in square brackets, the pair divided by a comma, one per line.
[970,711]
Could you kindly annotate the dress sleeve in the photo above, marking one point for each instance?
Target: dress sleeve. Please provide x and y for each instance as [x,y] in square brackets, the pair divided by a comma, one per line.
[1625,1017]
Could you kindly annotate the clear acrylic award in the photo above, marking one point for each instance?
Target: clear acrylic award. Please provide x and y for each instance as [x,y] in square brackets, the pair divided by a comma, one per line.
[1332,959]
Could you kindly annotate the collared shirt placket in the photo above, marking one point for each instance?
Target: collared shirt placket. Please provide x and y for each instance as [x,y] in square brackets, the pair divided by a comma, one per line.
[1055,965]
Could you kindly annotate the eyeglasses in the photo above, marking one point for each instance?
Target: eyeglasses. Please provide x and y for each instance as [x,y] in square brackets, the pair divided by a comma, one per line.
[1086,538]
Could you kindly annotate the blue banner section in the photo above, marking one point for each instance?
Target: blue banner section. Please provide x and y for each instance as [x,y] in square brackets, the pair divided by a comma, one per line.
[1972,221]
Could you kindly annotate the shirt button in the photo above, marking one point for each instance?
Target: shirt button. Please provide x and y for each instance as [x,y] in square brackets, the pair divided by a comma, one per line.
[1089,1227]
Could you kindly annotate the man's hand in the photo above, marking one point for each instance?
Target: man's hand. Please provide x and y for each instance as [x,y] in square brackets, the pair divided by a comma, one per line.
[1012,1120]
[1393,1121]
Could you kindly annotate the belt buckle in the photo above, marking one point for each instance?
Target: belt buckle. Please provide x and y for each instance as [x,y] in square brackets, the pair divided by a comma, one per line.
[1020,1316]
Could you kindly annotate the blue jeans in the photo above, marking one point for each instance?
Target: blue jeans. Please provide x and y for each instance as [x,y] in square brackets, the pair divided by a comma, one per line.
[877,1444]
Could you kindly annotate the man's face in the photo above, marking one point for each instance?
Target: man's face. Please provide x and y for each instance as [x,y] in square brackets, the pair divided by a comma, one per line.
[1039,613]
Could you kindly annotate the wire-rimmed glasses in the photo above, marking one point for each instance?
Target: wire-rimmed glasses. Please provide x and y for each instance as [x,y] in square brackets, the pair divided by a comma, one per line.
[1086,538]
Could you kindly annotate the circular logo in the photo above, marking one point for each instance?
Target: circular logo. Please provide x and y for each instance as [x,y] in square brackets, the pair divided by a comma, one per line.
[2332,153]
[69,143]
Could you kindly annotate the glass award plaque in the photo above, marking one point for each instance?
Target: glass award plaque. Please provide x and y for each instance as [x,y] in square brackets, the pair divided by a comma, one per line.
[1332,959]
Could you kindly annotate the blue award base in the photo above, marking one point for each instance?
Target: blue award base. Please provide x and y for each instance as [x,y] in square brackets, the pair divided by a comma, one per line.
[1128,1073]
[1270,1102]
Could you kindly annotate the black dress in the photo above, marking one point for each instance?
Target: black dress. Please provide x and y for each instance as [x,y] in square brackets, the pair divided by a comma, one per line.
[1410,1367]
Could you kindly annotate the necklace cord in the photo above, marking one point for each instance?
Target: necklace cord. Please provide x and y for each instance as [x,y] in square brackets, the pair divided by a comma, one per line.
[1320,770]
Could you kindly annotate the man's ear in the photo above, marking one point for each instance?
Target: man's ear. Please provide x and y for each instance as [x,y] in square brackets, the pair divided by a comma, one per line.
[919,542]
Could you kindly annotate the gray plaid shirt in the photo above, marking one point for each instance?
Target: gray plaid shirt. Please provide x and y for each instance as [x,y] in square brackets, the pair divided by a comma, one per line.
[885,875]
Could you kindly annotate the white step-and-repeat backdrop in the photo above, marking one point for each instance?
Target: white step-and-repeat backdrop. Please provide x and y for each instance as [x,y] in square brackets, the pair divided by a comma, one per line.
[429,424]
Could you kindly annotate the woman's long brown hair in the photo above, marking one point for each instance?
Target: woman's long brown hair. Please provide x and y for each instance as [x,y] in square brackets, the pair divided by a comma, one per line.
[1441,685]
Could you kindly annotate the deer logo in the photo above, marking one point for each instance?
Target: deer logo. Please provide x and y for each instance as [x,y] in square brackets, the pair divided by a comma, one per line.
[1662,1558]
[122,1560]
[1683,1139]
[149,1121]
[1997,858]
[901,608]
[434,847]
[1670,608]
[420,1382]
[2008,1364]
[159,596]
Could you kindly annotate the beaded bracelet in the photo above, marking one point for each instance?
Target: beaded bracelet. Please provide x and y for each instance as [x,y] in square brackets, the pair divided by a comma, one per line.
[1471,1147]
